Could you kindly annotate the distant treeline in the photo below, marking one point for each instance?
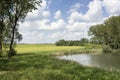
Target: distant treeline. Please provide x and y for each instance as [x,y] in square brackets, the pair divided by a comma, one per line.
[80,42]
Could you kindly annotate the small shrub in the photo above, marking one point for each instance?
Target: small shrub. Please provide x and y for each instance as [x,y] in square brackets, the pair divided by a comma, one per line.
[106,49]
[14,52]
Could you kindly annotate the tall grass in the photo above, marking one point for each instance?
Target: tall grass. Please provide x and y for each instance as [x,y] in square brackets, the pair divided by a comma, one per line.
[45,67]
[42,48]
[31,63]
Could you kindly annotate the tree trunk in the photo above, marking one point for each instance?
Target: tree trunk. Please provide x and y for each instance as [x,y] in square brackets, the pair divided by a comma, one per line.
[0,44]
[1,36]
[14,23]
[12,40]
[11,43]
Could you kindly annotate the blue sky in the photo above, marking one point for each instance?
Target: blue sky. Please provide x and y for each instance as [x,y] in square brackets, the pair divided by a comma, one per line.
[66,5]
[66,19]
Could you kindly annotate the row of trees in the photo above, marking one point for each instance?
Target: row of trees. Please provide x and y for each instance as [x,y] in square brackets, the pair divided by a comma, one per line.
[107,33]
[63,42]
[11,13]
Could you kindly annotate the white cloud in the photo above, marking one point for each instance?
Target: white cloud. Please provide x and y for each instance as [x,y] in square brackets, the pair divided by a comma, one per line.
[58,15]
[74,29]
[75,7]
[60,24]
[68,35]
[40,27]
[75,16]
[31,38]
[47,25]
[44,24]
[112,6]
[39,14]
[79,26]
[95,12]
[46,14]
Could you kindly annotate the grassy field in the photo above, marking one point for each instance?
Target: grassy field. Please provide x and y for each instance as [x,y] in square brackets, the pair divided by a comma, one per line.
[35,62]
[44,49]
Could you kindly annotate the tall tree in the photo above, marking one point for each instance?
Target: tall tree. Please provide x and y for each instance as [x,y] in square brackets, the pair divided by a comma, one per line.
[107,33]
[17,12]
[2,20]
[5,27]
[1,35]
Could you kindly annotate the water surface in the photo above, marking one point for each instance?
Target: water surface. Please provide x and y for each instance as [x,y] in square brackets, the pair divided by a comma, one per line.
[105,61]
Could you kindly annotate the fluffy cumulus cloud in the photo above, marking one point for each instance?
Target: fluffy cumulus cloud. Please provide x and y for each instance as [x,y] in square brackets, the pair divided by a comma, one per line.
[94,13]
[79,26]
[75,7]
[68,35]
[45,25]
[79,22]
[76,16]
[58,15]
[112,7]
[39,14]
[41,27]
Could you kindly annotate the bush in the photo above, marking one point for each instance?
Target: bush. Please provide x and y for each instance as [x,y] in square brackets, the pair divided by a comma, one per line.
[14,52]
[106,49]
[63,42]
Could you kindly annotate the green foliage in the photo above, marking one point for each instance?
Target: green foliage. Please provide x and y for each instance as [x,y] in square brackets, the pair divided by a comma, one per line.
[61,42]
[2,24]
[106,49]
[81,42]
[84,41]
[13,52]
[35,62]
[44,67]
[107,33]
[14,12]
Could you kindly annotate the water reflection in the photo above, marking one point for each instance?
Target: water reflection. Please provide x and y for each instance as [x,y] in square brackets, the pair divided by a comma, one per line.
[102,60]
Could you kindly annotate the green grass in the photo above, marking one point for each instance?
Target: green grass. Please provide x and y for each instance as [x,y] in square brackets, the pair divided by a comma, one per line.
[35,62]
[43,49]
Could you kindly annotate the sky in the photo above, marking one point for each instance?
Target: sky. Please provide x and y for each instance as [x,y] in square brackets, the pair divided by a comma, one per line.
[65,19]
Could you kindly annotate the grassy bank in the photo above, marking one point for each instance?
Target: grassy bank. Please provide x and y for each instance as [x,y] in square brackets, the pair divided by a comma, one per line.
[49,49]
[35,62]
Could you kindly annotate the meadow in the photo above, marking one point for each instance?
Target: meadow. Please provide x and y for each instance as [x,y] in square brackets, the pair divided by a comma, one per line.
[38,62]
[44,48]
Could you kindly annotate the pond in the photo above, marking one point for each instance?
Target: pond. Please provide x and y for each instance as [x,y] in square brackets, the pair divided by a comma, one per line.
[104,61]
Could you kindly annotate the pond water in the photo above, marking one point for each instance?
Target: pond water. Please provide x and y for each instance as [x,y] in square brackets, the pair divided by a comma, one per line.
[105,61]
